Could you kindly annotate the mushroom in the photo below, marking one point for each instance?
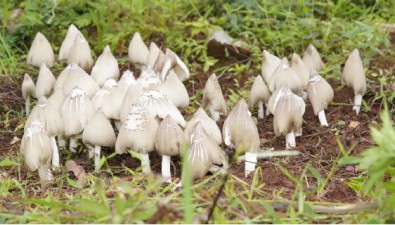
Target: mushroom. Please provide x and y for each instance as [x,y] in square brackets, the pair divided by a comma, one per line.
[209,125]
[300,69]
[312,58]
[213,99]
[68,41]
[153,55]
[98,132]
[80,53]
[177,65]
[37,150]
[138,51]
[284,73]
[98,100]
[148,79]
[259,94]
[56,100]
[51,121]
[138,132]
[75,76]
[106,66]
[126,80]
[320,94]
[288,110]
[354,76]
[169,138]
[132,95]
[28,90]
[240,132]
[175,90]
[269,65]
[45,82]
[40,52]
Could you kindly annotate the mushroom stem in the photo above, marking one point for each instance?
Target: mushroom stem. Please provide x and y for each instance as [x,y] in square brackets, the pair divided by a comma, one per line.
[145,163]
[61,142]
[214,114]
[91,151]
[250,162]
[166,168]
[73,144]
[290,140]
[44,172]
[97,157]
[322,118]
[261,110]
[55,156]
[357,103]
[304,95]
[27,105]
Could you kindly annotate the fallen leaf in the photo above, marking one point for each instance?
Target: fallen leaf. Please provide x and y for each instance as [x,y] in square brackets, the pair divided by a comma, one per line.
[77,170]
[353,124]
[15,140]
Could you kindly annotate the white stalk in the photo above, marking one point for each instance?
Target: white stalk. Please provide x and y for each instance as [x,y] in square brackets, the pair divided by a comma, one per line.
[61,142]
[290,140]
[97,157]
[145,163]
[73,144]
[166,168]
[250,162]
[44,172]
[55,155]
[27,105]
[261,110]
[91,152]
[357,103]
[214,114]
[322,118]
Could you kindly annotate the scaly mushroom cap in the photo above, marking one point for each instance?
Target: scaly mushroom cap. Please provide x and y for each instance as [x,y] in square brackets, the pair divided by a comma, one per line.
[269,65]
[28,87]
[138,131]
[138,51]
[300,69]
[239,129]
[209,125]
[312,58]
[134,92]
[48,116]
[353,74]
[68,42]
[126,80]
[175,90]
[40,52]
[288,110]
[153,55]
[169,137]
[284,73]
[36,146]
[106,66]
[75,76]
[178,65]
[98,131]
[320,92]
[45,81]
[148,79]
[75,110]
[80,53]
[259,92]
[213,97]
[56,98]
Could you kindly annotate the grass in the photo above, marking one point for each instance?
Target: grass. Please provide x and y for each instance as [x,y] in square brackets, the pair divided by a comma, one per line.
[119,194]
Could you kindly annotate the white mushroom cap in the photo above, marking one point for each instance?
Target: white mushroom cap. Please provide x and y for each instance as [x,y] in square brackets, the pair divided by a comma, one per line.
[45,81]
[162,63]
[312,58]
[320,92]
[56,98]
[269,65]
[80,53]
[75,110]
[178,66]
[213,97]
[138,131]
[284,73]
[28,87]
[300,69]
[209,125]
[175,90]
[138,51]
[113,102]
[153,54]
[98,100]
[259,92]
[148,79]
[169,137]
[98,131]
[353,74]
[106,66]
[75,76]
[68,42]
[40,52]
[239,129]
[134,92]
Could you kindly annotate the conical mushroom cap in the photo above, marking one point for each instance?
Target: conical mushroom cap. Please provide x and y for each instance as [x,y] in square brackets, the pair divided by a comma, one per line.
[209,125]
[213,97]
[68,42]
[138,131]
[75,110]
[28,87]
[56,98]
[153,55]
[138,51]
[80,53]
[75,76]
[134,92]
[353,74]
[320,92]
[148,79]
[239,129]
[284,73]
[98,131]
[40,52]
[259,92]
[99,100]
[126,80]
[300,69]
[45,81]
[178,65]
[269,65]
[175,90]
[312,58]
[106,66]
[169,137]
[48,116]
